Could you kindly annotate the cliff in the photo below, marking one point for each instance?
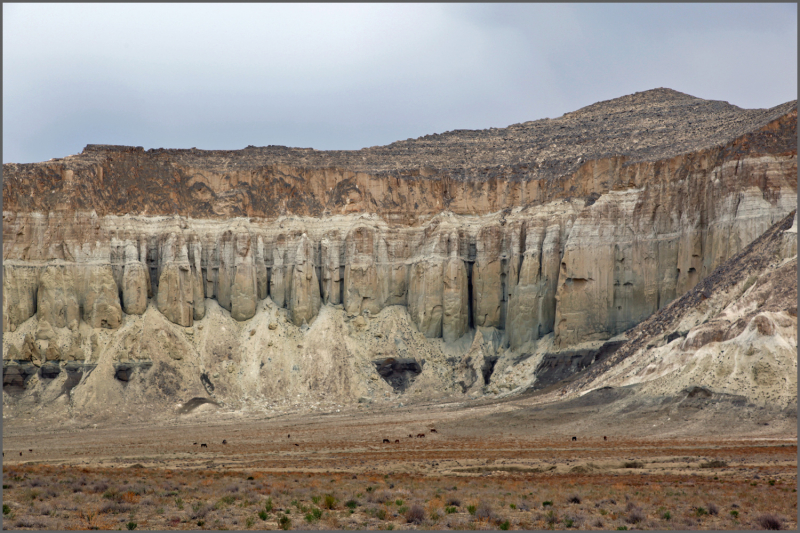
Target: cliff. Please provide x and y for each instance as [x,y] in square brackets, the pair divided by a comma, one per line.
[575,229]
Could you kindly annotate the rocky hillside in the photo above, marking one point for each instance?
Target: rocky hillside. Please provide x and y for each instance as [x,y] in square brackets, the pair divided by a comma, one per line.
[498,243]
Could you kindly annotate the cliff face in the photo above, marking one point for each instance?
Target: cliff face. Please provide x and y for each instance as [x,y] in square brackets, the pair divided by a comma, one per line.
[580,227]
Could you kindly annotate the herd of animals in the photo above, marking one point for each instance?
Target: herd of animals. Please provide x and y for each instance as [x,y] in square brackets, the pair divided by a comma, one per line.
[385,441]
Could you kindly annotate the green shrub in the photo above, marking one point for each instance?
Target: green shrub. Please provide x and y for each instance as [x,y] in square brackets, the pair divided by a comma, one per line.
[505,525]
[700,511]
[268,505]
[735,513]
[351,504]
[313,515]
[666,515]
[622,528]
[329,502]
[546,503]
[381,514]
[569,522]
[262,515]
[284,522]
[6,509]
[225,500]
[131,525]
[471,509]
[315,499]
[403,509]
[513,506]
[771,482]
[398,502]
[450,509]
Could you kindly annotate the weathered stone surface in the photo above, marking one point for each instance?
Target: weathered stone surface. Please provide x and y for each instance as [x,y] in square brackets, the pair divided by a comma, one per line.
[531,307]
[57,300]
[489,278]
[135,283]
[584,241]
[101,307]
[44,331]
[425,288]
[455,296]
[305,299]
[20,286]
[243,292]
[474,370]
[175,295]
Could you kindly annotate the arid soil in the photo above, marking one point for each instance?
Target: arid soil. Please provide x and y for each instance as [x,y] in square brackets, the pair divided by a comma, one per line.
[505,459]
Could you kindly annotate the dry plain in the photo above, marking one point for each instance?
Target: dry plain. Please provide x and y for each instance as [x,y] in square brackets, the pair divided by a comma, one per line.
[489,465]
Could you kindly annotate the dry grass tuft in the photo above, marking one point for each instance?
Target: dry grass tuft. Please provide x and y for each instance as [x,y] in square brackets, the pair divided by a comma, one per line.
[769,521]
[415,514]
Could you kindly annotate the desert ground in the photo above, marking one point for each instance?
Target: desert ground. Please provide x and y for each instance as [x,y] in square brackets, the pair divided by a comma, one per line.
[488,465]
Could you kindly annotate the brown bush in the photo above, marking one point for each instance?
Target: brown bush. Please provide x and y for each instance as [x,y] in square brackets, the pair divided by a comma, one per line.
[415,514]
[769,521]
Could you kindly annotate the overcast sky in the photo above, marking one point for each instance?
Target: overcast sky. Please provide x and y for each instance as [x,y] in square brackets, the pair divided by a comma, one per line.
[349,76]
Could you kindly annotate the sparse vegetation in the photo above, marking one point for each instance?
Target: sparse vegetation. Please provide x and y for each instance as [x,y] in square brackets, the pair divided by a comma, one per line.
[209,501]
[415,514]
[769,521]
[714,464]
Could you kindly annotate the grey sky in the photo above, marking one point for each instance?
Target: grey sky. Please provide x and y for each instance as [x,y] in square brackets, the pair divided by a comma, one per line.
[347,76]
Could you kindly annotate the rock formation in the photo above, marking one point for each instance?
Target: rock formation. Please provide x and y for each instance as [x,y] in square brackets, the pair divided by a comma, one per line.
[575,229]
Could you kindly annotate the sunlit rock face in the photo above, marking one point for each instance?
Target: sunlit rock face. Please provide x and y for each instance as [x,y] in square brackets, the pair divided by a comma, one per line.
[581,226]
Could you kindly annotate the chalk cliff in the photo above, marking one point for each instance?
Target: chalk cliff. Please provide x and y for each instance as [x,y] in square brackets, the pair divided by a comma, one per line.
[577,228]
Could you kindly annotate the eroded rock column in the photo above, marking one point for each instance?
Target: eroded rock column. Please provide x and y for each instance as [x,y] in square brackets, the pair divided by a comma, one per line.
[305,300]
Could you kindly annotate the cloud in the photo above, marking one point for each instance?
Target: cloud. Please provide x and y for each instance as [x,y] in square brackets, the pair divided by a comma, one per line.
[345,76]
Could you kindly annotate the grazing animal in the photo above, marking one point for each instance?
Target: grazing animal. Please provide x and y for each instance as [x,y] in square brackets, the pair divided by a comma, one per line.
[605,438]
[397,441]
[288,436]
[296,444]
[194,444]
[204,445]
[386,441]
[420,435]
[224,441]
[20,454]
[409,436]
[574,438]
[30,451]
[433,431]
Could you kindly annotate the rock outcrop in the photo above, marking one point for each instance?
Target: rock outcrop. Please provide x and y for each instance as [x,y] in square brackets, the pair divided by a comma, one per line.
[573,229]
